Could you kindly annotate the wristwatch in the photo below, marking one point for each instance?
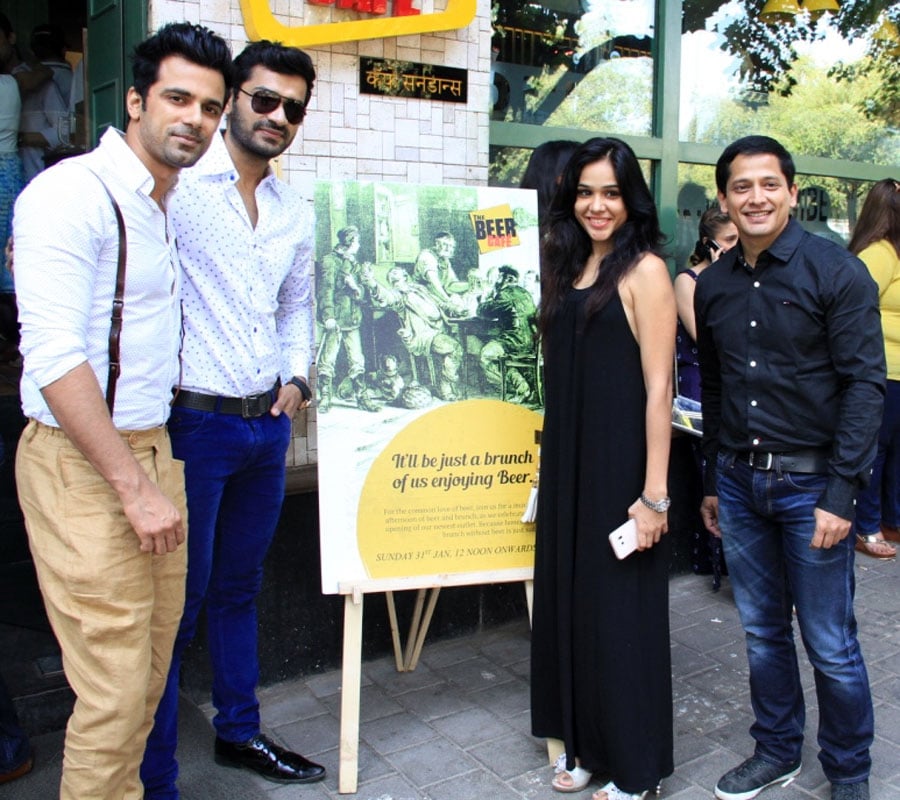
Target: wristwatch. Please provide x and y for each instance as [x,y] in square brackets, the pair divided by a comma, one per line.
[303,386]
[659,506]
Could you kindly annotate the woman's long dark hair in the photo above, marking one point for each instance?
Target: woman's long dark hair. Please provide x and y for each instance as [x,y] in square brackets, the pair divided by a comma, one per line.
[544,168]
[566,247]
[879,218]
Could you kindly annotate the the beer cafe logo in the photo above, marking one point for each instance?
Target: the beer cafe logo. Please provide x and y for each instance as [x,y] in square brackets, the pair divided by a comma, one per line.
[495,228]
[333,21]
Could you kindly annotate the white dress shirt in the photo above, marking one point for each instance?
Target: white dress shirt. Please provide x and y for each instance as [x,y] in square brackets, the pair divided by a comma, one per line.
[65,272]
[247,291]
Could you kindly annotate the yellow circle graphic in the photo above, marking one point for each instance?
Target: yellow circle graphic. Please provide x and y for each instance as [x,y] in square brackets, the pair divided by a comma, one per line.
[446,495]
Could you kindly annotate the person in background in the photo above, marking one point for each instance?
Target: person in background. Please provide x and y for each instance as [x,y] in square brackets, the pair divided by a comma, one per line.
[600,656]
[876,240]
[792,366]
[716,235]
[46,110]
[102,495]
[544,170]
[29,75]
[16,757]
[245,245]
[11,181]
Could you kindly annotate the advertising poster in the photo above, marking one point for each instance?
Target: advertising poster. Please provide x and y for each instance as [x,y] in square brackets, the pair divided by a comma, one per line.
[429,380]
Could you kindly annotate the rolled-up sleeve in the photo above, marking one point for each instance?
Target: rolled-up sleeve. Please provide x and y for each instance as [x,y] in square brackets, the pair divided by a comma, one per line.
[57,253]
[294,317]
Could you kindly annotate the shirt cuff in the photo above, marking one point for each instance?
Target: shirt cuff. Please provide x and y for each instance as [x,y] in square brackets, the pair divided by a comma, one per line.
[839,497]
[710,484]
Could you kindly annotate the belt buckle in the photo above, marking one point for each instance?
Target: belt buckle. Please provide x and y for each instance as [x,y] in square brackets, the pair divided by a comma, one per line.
[255,405]
[770,460]
[250,406]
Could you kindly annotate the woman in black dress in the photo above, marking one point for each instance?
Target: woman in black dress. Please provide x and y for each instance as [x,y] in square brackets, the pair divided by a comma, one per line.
[601,678]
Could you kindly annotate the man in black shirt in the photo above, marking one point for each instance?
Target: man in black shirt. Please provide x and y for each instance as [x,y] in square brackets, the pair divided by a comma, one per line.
[793,374]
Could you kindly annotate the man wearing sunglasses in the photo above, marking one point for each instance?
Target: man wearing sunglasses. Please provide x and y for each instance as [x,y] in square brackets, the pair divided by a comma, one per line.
[245,243]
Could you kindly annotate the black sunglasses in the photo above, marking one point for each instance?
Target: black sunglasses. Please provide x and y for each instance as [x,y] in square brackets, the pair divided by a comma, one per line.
[264,101]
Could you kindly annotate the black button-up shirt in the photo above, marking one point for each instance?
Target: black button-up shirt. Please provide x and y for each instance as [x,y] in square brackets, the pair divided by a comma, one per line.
[792,357]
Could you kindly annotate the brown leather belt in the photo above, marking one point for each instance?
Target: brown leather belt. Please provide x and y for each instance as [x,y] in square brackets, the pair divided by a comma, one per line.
[812,461]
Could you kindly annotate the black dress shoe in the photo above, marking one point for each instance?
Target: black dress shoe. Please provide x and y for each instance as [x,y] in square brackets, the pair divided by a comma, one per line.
[265,757]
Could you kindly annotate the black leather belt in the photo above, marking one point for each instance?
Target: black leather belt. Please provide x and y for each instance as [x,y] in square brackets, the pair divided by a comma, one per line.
[811,461]
[254,405]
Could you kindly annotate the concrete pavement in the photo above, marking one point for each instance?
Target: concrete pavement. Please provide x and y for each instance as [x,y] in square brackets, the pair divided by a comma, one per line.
[458,728]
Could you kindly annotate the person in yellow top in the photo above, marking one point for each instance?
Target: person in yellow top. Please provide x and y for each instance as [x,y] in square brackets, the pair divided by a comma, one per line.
[876,240]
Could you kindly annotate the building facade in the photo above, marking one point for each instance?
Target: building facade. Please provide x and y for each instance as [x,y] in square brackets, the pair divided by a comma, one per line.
[677,79]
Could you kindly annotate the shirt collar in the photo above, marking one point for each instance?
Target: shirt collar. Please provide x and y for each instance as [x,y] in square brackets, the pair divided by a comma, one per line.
[217,163]
[782,249]
[129,169]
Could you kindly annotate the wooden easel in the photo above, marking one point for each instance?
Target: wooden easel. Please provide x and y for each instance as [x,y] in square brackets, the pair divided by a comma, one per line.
[406,661]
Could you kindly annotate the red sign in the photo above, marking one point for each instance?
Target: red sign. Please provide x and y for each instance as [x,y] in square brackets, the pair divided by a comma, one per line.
[401,8]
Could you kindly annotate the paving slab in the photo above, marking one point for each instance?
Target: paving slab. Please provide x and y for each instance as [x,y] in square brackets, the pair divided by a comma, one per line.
[458,727]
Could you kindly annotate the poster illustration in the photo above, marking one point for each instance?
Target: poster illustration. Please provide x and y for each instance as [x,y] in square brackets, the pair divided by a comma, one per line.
[429,379]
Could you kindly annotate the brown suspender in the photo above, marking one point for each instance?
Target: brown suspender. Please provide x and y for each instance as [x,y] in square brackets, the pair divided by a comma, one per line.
[118,306]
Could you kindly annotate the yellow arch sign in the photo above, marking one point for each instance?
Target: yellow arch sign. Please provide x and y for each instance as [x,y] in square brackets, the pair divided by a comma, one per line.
[260,23]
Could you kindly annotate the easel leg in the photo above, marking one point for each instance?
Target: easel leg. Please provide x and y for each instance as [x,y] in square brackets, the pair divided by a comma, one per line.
[414,628]
[350,686]
[395,630]
[529,599]
[423,629]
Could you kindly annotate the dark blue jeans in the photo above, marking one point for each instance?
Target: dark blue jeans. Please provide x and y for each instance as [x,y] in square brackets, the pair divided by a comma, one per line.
[235,473]
[767,524]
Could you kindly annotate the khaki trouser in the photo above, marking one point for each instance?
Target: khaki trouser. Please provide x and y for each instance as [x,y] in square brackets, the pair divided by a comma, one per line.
[114,609]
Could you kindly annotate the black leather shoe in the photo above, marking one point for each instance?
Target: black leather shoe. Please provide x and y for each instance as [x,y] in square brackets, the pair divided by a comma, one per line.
[266,758]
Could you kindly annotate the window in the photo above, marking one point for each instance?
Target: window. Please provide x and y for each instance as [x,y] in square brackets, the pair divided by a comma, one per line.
[574,63]
[679,79]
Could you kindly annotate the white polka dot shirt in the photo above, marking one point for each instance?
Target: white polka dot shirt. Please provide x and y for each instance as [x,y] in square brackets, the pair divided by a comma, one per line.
[248,316]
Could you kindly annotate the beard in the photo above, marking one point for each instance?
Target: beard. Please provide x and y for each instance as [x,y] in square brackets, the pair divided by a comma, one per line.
[245,135]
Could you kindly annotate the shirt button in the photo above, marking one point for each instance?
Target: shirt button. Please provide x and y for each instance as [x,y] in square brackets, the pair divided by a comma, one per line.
[752,323]
[752,363]
[755,284]
[753,403]
[755,442]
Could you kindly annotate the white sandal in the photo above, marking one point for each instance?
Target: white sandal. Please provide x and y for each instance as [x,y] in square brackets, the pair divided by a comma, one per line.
[613,792]
[578,778]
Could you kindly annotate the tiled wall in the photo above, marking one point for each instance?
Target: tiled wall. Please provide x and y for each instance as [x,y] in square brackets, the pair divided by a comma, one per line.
[349,136]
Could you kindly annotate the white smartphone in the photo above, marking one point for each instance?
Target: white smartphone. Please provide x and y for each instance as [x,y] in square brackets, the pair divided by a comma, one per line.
[624,539]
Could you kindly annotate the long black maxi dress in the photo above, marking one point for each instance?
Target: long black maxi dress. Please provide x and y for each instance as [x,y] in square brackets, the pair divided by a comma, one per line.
[600,664]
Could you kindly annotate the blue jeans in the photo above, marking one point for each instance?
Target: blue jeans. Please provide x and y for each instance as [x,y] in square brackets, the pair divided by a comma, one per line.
[234,473]
[767,524]
[880,500]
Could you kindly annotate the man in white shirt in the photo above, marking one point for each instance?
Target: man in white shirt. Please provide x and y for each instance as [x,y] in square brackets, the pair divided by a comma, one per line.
[103,497]
[46,110]
[245,241]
